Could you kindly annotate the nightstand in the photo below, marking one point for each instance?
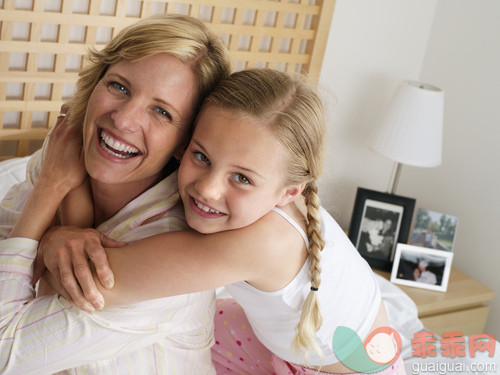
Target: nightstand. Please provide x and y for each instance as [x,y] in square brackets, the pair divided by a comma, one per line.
[461,308]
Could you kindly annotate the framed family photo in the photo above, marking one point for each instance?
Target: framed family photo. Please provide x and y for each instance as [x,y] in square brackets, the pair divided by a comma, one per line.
[421,267]
[379,222]
[434,230]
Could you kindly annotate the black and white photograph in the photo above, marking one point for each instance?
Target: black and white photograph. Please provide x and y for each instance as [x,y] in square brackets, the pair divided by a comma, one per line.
[379,225]
[421,267]
[380,221]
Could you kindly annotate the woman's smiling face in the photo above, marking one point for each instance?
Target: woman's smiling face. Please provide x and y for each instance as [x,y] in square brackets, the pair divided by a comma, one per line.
[138,117]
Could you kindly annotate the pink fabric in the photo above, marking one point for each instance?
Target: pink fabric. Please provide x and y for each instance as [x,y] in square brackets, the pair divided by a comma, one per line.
[284,368]
[238,351]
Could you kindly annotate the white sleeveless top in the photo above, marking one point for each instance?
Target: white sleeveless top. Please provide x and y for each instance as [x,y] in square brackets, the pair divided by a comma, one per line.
[349,296]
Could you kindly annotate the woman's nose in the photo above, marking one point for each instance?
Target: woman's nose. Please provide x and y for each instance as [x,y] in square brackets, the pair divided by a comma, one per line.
[129,117]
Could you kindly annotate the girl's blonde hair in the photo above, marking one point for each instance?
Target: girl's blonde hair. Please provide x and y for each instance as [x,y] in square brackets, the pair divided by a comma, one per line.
[184,37]
[295,114]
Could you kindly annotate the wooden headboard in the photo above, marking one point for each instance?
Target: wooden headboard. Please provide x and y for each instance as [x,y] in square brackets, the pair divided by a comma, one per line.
[43,46]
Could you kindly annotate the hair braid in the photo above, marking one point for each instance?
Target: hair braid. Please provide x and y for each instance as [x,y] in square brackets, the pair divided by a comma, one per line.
[311,319]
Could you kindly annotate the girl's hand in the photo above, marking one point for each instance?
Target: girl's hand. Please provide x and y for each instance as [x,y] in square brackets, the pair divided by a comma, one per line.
[62,163]
[66,252]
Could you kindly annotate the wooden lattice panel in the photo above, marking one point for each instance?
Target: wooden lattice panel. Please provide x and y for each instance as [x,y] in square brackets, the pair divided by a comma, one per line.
[43,44]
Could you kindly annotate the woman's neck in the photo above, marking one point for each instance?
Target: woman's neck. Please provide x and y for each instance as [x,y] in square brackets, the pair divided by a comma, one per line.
[109,199]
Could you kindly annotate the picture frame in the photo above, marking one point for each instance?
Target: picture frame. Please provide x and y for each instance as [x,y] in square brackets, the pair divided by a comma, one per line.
[421,267]
[434,230]
[379,222]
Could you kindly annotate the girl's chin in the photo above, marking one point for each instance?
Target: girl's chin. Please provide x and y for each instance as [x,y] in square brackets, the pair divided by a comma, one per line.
[203,228]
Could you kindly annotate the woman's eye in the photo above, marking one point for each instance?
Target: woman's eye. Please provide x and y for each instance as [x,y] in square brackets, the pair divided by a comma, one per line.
[201,157]
[118,86]
[242,179]
[164,113]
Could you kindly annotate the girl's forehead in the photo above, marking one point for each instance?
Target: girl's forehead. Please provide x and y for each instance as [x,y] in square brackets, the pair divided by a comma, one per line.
[238,131]
[213,112]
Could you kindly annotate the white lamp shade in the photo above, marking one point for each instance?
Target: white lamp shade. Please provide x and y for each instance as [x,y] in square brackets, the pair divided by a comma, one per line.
[411,131]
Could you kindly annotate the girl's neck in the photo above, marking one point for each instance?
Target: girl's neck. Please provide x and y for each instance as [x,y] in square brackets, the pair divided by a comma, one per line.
[297,209]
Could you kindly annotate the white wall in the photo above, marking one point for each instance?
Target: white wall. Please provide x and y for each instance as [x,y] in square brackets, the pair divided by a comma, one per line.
[463,57]
[453,44]
[372,46]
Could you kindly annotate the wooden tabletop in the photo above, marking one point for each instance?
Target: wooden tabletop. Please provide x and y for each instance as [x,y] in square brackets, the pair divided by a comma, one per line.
[463,292]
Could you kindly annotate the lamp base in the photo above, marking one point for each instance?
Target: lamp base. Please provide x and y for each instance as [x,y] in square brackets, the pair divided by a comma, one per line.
[393,184]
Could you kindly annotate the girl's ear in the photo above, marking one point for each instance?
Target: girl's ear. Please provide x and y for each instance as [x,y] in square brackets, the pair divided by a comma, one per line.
[179,152]
[290,193]
[178,155]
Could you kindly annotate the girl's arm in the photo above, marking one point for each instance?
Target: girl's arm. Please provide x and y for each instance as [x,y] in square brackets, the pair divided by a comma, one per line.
[182,262]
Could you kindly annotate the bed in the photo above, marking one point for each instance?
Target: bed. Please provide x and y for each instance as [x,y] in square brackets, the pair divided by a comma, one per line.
[42,47]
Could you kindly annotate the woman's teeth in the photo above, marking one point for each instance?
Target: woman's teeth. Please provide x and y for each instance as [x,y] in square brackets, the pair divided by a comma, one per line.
[117,148]
[205,208]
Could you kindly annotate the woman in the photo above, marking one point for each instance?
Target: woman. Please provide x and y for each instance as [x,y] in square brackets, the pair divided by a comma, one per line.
[136,100]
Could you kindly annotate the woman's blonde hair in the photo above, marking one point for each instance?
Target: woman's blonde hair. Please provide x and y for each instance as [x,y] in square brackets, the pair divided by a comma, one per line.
[184,37]
[295,114]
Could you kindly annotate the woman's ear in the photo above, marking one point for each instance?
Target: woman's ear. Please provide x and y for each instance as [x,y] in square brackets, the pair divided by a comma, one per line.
[290,194]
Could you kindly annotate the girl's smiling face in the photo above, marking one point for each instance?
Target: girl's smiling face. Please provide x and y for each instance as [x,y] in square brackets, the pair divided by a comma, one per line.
[137,118]
[232,173]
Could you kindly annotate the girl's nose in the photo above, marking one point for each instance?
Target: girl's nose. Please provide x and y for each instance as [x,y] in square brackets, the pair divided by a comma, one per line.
[210,186]
[129,117]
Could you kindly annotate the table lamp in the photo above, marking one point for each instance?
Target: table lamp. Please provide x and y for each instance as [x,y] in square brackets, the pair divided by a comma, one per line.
[411,130]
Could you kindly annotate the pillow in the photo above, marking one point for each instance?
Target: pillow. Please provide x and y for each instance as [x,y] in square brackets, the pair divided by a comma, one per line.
[12,171]
[402,313]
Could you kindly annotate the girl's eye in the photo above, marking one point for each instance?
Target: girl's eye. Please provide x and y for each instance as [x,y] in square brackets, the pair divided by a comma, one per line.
[164,113]
[118,86]
[201,157]
[242,179]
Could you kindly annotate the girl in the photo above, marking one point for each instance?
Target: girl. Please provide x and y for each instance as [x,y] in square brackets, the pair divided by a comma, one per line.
[248,184]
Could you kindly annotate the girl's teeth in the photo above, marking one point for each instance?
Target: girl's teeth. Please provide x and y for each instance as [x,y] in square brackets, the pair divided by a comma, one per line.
[205,208]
